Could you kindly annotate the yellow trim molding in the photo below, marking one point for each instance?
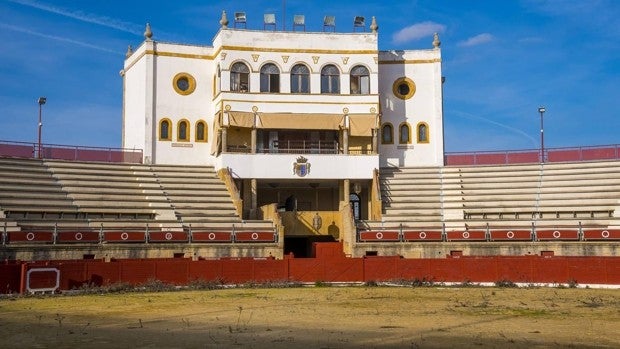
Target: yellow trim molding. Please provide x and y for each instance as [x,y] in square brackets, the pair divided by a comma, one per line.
[169,138]
[391,141]
[402,125]
[426,132]
[187,130]
[398,83]
[191,84]
[412,61]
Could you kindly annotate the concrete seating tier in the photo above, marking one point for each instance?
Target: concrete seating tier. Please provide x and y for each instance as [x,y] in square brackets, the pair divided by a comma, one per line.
[411,197]
[199,198]
[558,194]
[53,193]
[130,191]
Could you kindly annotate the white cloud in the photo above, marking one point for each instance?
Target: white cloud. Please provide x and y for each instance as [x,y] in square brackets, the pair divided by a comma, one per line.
[83,17]
[57,38]
[417,31]
[477,40]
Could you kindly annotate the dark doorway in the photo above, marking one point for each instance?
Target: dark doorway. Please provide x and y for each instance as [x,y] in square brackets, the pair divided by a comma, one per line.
[301,247]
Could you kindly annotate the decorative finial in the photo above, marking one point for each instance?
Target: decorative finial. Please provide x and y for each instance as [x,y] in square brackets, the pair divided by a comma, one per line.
[224,20]
[148,34]
[129,51]
[373,25]
[436,42]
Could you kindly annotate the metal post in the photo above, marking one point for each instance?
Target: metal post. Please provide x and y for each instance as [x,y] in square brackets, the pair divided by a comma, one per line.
[41,101]
[541,110]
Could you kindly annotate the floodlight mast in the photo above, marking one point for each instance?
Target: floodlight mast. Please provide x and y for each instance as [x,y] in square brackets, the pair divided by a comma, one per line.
[542,110]
[41,101]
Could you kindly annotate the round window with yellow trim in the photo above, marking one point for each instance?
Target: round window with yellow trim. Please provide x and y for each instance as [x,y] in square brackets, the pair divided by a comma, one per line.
[184,84]
[403,88]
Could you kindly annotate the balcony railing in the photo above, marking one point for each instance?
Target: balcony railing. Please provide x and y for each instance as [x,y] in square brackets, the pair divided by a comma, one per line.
[588,153]
[299,147]
[69,152]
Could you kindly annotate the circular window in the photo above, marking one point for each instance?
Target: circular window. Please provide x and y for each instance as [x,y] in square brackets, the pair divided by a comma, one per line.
[184,84]
[403,88]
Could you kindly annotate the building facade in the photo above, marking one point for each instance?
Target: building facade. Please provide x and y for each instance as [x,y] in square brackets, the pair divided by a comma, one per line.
[300,119]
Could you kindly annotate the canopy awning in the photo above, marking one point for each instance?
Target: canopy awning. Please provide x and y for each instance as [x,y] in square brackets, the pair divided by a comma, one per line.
[362,124]
[300,121]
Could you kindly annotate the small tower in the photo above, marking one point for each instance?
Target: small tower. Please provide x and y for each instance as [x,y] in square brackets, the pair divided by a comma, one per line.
[148,34]
[224,20]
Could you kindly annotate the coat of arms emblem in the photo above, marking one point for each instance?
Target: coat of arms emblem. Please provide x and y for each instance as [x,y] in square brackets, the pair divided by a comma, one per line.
[301,167]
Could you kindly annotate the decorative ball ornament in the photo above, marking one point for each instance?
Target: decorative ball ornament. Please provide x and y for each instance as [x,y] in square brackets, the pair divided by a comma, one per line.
[148,33]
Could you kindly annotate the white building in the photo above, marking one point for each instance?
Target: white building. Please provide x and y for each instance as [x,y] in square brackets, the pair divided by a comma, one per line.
[303,116]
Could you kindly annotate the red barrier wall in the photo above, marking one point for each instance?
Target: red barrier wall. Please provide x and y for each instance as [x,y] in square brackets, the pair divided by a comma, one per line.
[329,268]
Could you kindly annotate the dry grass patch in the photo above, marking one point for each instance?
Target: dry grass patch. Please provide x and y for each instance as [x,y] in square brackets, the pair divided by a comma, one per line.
[318,317]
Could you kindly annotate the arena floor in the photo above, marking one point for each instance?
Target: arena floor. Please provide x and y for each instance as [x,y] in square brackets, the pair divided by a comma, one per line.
[318,317]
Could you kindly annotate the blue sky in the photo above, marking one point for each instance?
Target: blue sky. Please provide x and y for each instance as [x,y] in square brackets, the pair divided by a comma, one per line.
[501,60]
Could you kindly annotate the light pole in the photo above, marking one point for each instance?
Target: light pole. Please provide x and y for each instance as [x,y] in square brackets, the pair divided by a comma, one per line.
[42,101]
[542,110]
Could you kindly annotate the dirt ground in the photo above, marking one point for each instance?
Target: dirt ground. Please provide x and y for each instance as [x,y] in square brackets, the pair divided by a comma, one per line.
[318,317]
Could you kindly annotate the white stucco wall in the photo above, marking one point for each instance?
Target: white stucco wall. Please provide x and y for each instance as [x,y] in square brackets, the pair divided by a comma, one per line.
[280,166]
[166,61]
[150,96]
[134,98]
[424,68]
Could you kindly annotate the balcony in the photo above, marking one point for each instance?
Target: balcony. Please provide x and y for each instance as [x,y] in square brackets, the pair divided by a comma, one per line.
[298,147]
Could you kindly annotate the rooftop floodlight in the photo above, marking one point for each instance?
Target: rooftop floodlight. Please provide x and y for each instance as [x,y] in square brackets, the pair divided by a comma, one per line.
[330,23]
[269,20]
[240,19]
[299,21]
[359,22]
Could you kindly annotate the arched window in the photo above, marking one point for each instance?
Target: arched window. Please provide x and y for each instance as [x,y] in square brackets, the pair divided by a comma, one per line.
[183,131]
[422,133]
[300,79]
[201,131]
[330,79]
[387,134]
[360,80]
[239,77]
[270,78]
[404,133]
[165,132]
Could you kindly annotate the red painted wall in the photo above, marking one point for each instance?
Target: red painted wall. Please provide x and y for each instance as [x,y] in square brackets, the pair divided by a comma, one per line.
[328,267]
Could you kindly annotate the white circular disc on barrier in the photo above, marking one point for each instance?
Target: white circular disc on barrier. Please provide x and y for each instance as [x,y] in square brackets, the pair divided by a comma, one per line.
[379,236]
[124,236]
[605,234]
[30,236]
[211,236]
[254,236]
[510,234]
[78,236]
[168,236]
[422,235]
[557,234]
[465,235]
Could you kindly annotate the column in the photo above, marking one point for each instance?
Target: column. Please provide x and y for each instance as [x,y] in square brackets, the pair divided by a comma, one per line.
[253,140]
[375,147]
[345,141]
[346,192]
[224,139]
[253,199]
